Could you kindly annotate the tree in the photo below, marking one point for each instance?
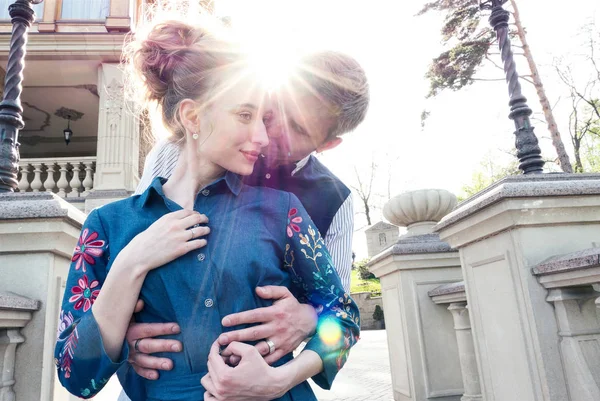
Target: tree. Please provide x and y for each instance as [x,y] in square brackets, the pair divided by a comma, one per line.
[489,172]
[364,189]
[584,92]
[470,41]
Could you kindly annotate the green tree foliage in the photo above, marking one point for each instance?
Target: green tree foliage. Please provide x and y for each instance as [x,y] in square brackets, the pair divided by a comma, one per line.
[489,172]
[468,40]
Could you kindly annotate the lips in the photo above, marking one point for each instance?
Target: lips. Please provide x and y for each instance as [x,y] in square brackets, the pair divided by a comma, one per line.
[251,156]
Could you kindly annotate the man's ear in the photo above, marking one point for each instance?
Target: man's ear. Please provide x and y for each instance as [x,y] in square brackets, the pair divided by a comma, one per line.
[330,144]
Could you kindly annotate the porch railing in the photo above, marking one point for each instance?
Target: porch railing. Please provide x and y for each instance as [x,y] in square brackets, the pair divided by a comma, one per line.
[68,177]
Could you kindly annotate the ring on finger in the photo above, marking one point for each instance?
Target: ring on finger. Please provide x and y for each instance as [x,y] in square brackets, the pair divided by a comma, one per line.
[271,345]
[136,345]
[192,231]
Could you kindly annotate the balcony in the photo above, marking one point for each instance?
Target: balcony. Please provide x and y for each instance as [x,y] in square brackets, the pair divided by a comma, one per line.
[79,16]
[69,177]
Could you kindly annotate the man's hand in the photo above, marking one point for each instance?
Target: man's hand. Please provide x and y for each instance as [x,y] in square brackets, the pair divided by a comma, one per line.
[286,324]
[144,364]
[251,380]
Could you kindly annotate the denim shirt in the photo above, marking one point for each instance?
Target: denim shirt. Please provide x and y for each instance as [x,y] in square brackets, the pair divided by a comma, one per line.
[259,236]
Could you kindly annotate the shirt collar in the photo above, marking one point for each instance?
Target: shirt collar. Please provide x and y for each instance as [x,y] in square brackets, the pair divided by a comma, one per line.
[301,164]
[232,180]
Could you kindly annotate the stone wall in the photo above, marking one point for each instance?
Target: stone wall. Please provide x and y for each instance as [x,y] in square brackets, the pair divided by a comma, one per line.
[366,305]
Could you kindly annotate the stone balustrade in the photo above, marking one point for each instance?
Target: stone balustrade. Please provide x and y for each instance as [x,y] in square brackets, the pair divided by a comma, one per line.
[15,312]
[455,297]
[424,356]
[68,177]
[573,284]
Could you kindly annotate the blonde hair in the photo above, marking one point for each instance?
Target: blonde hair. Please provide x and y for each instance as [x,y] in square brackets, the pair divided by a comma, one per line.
[169,61]
[340,82]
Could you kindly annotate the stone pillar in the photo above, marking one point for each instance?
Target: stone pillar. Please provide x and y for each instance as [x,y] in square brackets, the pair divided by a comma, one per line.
[118,141]
[119,18]
[48,22]
[38,232]
[424,357]
[573,283]
[454,295]
[466,350]
[501,233]
[15,313]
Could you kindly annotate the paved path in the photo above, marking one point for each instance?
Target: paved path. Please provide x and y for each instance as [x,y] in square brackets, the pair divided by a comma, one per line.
[365,377]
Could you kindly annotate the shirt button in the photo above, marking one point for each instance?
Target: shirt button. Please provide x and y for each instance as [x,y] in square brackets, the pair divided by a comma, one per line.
[208,303]
[268,176]
[201,257]
[206,192]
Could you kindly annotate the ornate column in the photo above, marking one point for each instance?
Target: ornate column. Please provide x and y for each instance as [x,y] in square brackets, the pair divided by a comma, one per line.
[118,141]
[11,119]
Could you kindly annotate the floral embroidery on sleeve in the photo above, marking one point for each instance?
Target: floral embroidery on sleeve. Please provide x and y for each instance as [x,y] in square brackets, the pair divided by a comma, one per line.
[65,358]
[315,281]
[94,387]
[293,222]
[81,360]
[84,293]
[88,248]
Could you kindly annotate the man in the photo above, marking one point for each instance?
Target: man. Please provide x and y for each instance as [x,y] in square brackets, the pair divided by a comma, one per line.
[327,98]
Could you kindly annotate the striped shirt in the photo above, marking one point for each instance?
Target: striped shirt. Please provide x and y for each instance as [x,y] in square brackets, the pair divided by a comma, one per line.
[161,162]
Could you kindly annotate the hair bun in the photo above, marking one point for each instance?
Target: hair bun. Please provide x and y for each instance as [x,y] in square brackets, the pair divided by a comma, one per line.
[161,52]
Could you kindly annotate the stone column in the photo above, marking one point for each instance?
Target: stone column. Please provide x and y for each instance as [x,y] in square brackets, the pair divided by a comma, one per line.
[573,283]
[424,357]
[118,141]
[38,232]
[501,233]
[15,313]
[119,18]
[454,295]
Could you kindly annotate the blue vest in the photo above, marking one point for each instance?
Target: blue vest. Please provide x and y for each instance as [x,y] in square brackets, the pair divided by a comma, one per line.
[319,190]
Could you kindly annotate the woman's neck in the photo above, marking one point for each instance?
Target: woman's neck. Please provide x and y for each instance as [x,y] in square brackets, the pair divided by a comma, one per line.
[191,174]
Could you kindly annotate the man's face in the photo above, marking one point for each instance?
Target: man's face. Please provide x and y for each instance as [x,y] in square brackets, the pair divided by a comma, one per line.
[297,124]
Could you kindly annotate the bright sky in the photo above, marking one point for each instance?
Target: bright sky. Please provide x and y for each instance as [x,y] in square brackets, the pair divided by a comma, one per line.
[395,47]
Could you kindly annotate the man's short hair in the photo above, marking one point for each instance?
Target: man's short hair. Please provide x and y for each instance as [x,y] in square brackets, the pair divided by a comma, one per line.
[339,81]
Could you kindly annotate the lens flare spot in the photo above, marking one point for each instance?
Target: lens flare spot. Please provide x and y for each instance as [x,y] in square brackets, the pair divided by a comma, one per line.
[330,332]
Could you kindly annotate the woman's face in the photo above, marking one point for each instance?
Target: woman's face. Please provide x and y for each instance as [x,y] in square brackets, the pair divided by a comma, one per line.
[232,131]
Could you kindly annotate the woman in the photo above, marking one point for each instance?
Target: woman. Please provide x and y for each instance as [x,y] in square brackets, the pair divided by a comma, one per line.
[153,246]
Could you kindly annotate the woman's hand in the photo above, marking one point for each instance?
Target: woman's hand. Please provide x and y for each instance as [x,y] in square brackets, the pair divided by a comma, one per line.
[251,380]
[171,236]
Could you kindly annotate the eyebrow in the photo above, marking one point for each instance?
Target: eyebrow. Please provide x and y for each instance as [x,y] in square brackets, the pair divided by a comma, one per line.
[247,105]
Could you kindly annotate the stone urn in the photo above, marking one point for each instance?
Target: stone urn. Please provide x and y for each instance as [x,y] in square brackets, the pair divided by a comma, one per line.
[419,211]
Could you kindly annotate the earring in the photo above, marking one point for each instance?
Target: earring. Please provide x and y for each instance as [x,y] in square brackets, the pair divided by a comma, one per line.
[195,136]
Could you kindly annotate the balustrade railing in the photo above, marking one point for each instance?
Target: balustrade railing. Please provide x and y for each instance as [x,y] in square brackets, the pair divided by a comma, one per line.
[68,177]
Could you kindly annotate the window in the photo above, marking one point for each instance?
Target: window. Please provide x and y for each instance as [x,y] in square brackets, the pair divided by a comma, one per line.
[382,239]
[85,9]
[4,15]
